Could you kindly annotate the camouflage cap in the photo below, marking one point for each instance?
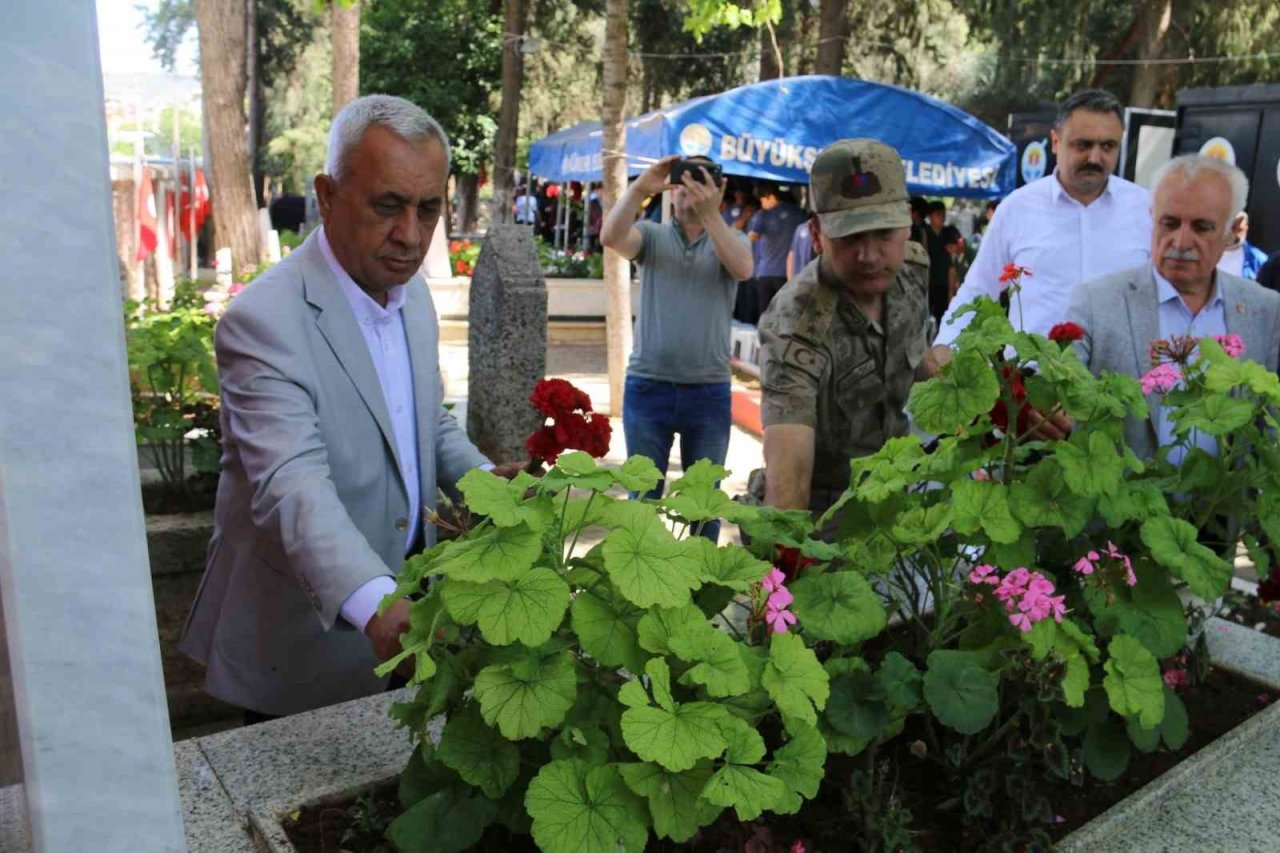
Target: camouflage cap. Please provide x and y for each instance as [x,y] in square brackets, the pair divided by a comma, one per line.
[858,185]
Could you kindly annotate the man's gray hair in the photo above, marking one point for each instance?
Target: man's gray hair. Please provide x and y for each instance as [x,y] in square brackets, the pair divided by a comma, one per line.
[403,118]
[1190,166]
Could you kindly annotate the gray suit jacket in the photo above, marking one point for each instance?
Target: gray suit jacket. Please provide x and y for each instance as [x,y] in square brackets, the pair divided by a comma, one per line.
[311,503]
[1120,316]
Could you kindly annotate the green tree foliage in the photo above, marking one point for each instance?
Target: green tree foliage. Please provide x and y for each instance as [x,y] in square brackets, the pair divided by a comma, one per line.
[446,57]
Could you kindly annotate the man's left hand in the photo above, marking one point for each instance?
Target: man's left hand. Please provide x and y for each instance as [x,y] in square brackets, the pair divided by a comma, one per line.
[508,470]
[704,194]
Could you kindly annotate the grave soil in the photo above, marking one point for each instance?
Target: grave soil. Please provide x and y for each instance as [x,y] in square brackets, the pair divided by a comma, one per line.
[1215,706]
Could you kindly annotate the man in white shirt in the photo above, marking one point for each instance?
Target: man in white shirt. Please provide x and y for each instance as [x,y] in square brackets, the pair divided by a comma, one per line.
[1241,257]
[334,436]
[1080,223]
[526,207]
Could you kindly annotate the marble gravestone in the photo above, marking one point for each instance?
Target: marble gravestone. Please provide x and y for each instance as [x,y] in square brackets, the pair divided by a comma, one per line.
[507,343]
[88,698]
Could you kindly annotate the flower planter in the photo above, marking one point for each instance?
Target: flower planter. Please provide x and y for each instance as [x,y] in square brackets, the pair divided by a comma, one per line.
[1214,799]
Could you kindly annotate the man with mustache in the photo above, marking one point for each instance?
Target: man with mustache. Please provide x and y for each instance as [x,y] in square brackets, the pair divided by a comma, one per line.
[844,338]
[1179,293]
[334,437]
[1079,223]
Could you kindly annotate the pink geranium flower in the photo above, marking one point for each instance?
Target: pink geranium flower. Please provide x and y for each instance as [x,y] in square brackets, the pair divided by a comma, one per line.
[778,620]
[1232,345]
[1161,379]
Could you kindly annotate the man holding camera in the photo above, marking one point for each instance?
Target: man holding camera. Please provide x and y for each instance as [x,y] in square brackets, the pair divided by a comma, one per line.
[678,377]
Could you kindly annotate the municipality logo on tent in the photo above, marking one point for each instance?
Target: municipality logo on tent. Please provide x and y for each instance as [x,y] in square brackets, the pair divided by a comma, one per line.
[695,140]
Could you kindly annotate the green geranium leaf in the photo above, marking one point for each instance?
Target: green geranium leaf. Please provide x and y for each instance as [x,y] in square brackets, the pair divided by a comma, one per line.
[499,553]
[1132,681]
[794,679]
[718,664]
[966,390]
[1075,680]
[488,494]
[984,505]
[699,505]
[1091,464]
[447,821]
[645,562]
[1043,499]
[606,628]
[581,809]
[527,609]
[674,735]
[1153,614]
[525,696]
[800,764]
[581,513]
[638,474]
[1175,726]
[590,745]
[1213,414]
[577,469]
[748,791]
[1106,750]
[700,476]
[902,682]
[1133,501]
[481,756]
[858,706]
[1069,631]
[1041,638]
[922,525]
[838,606]
[1173,544]
[675,801]
[731,566]
[837,741]
[961,693]
[659,625]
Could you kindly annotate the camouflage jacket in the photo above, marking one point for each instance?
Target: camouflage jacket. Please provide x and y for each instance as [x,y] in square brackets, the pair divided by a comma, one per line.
[826,366]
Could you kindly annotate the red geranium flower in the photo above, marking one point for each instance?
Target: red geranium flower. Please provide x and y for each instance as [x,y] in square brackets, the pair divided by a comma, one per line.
[572,426]
[1065,333]
[1013,271]
[791,561]
[555,397]
[1000,412]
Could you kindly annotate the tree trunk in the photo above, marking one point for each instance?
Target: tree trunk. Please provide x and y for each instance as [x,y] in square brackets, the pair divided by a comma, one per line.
[770,56]
[504,149]
[833,32]
[468,187]
[344,25]
[222,76]
[617,272]
[253,74]
[1154,18]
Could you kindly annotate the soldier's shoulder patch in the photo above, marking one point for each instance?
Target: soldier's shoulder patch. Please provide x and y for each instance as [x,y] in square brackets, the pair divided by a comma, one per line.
[804,357]
[916,254]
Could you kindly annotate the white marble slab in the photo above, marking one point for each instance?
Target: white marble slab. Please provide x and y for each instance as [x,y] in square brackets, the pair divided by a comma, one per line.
[98,763]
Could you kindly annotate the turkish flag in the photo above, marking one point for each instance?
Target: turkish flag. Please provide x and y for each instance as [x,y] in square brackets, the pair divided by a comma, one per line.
[201,204]
[146,212]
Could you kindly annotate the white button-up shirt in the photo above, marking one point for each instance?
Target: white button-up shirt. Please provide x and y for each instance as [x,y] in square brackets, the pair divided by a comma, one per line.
[1177,319]
[1063,242]
[383,331]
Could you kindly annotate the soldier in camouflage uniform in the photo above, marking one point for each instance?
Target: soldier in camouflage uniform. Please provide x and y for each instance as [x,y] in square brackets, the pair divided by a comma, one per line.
[844,339]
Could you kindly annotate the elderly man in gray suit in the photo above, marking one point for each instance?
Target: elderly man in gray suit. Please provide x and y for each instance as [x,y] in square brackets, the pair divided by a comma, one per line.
[1180,292]
[334,435]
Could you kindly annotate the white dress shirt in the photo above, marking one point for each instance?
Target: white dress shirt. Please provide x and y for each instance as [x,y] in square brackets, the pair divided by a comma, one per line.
[1177,319]
[383,331]
[1063,242]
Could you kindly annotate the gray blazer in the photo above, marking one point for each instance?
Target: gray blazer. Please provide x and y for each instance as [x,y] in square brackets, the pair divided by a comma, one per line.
[311,503]
[1120,317]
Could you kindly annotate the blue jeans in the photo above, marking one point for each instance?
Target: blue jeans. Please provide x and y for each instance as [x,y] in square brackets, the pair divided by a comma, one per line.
[653,412]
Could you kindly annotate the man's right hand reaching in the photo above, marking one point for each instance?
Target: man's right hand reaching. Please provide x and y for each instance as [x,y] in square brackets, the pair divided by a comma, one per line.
[384,630]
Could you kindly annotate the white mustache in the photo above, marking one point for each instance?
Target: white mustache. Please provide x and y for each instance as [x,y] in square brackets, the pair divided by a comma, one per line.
[1182,255]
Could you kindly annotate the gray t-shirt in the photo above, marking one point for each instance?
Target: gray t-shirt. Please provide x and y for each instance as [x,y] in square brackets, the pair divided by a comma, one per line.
[686,304]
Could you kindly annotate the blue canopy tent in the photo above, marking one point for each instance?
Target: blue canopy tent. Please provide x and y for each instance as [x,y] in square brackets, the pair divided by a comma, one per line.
[773,130]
